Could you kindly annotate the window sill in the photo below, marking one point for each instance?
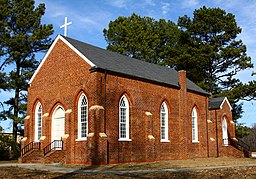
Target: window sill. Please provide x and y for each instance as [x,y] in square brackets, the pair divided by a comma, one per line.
[81,139]
[124,140]
[195,142]
[164,140]
[225,145]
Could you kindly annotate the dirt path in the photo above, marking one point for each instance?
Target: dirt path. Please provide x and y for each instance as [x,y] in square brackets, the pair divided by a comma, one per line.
[61,169]
[194,168]
[206,172]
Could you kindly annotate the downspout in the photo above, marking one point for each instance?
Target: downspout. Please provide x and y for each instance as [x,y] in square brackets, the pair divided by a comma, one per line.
[105,115]
[217,137]
[207,132]
[105,100]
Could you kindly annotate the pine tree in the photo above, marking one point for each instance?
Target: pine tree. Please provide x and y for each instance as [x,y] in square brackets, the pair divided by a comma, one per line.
[21,36]
[215,54]
[206,46]
[143,38]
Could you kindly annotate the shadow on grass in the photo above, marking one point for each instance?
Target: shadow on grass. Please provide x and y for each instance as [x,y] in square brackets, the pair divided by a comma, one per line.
[92,172]
[8,161]
[179,175]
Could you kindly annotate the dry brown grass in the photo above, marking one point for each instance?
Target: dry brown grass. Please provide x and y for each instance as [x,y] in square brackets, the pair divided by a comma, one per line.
[199,162]
[227,173]
[235,172]
[8,161]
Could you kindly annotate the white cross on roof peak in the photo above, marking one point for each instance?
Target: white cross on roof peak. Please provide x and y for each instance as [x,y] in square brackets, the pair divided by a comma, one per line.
[65,26]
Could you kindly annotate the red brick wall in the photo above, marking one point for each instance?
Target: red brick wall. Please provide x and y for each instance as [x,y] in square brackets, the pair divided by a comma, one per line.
[217,149]
[62,78]
[197,149]
[143,97]
[34,156]
[213,139]
[56,156]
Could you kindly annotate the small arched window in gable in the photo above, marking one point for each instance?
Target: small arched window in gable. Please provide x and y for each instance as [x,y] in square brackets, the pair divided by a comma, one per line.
[194,125]
[82,117]
[124,119]
[225,132]
[164,122]
[38,121]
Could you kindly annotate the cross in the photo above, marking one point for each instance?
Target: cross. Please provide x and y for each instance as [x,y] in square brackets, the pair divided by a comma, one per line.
[65,26]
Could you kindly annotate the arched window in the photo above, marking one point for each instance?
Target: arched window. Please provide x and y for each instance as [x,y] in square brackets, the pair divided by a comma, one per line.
[38,121]
[124,119]
[164,122]
[194,125]
[224,132]
[82,117]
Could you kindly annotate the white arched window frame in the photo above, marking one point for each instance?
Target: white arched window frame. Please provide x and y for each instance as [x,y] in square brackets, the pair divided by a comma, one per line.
[194,125]
[82,117]
[124,129]
[164,122]
[38,121]
[224,132]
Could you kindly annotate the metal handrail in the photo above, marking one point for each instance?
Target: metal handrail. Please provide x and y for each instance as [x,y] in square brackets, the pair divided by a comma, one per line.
[30,146]
[244,145]
[239,144]
[54,145]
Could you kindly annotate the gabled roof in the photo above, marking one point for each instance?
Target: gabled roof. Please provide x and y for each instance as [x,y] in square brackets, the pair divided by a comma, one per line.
[217,103]
[99,58]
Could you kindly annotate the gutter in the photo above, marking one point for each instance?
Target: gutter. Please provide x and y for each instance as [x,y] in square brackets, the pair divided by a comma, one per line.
[98,69]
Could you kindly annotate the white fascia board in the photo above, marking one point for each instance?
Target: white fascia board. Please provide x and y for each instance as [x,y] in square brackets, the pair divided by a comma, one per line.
[77,51]
[45,57]
[226,99]
[50,50]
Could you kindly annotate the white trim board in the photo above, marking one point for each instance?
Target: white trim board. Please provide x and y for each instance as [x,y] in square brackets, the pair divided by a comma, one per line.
[226,99]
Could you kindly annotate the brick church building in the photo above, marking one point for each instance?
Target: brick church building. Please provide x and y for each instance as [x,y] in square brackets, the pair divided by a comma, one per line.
[87,105]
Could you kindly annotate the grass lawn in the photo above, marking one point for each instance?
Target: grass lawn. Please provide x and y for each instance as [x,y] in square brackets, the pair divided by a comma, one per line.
[198,162]
[235,172]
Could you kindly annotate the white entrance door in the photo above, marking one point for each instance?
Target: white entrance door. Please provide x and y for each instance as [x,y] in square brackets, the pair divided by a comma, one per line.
[58,126]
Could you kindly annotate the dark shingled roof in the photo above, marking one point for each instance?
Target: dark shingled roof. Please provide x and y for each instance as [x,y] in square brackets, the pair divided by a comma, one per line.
[215,103]
[115,62]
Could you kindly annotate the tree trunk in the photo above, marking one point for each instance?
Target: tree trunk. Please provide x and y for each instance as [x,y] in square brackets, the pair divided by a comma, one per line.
[16,104]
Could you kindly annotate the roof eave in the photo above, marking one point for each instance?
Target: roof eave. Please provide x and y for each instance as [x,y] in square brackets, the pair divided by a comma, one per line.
[199,92]
[98,69]
[213,108]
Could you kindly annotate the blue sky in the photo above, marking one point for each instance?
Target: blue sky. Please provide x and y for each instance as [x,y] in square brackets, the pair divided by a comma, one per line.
[90,17]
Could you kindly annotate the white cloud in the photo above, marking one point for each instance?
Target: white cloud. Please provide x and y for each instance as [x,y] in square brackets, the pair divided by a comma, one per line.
[165,7]
[55,10]
[85,20]
[245,16]
[150,2]
[118,3]
[192,3]
[189,3]
[81,18]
